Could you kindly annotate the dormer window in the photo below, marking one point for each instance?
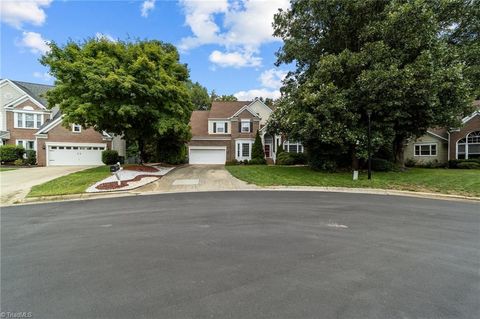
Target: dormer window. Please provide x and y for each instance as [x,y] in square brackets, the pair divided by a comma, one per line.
[76,128]
[220,127]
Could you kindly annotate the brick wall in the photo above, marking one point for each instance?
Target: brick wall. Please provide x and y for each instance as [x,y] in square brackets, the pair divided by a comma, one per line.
[20,133]
[61,134]
[470,126]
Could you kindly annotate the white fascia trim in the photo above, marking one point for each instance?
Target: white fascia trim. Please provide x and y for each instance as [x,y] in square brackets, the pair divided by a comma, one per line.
[471,116]
[262,103]
[243,109]
[245,139]
[26,97]
[41,136]
[210,139]
[50,126]
[207,147]
[74,144]
[106,134]
[27,111]
[436,135]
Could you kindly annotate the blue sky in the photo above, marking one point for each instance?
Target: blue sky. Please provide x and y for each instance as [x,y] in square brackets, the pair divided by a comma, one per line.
[227,44]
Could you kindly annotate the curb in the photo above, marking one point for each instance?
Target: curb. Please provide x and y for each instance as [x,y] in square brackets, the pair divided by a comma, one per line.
[369,191]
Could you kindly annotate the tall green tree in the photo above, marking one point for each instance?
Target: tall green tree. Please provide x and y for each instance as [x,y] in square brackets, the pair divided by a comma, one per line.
[354,56]
[199,96]
[257,149]
[136,89]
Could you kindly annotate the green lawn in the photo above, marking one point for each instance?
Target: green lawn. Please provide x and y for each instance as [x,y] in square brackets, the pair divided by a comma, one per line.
[71,184]
[447,181]
[4,169]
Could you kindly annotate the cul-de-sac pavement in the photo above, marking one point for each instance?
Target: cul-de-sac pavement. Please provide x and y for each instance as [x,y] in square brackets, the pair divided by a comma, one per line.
[244,254]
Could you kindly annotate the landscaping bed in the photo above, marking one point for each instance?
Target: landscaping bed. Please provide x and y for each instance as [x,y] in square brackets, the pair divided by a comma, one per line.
[446,181]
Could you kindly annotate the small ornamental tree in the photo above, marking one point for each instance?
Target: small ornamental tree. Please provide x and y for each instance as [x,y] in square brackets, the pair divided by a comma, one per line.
[257,149]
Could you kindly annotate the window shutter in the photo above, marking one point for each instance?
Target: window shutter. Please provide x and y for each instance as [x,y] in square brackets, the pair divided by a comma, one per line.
[226,128]
[214,127]
[251,126]
[239,126]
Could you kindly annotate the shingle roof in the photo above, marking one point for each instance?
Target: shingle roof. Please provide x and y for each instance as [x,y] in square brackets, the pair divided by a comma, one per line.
[223,110]
[37,91]
[199,123]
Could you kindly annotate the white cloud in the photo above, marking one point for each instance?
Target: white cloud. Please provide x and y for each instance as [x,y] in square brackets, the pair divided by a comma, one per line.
[16,13]
[247,24]
[251,94]
[34,42]
[106,36]
[45,76]
[147,6]
[234,59]
[272,78]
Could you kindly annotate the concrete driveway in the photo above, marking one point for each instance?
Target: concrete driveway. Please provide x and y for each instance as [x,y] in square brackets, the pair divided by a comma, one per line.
[16,184]
[238,255]
[194,178]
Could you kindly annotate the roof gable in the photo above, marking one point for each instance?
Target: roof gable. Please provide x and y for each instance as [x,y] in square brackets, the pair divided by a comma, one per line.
[225,110]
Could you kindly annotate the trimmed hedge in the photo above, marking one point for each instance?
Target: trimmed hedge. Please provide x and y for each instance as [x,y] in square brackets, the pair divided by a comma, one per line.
[468,165]
[110,157]
[456,163]
[286,158]
[10,153]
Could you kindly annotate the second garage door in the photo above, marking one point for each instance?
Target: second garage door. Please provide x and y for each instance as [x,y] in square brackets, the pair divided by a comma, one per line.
[207,155]
[75,154]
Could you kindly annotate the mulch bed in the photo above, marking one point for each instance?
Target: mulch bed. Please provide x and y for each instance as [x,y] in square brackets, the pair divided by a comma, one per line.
[114,185]
[140,168]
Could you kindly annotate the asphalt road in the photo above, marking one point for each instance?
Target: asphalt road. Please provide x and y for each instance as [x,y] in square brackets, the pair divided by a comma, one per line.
[243,255]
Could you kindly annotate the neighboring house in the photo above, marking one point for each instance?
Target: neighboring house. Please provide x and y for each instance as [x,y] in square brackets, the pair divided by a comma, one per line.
[25,120]
[227,132]
[443,144]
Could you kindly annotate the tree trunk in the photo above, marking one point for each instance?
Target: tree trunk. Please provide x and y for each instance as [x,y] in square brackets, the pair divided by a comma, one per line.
[399,149]
[141,150]
[354,159]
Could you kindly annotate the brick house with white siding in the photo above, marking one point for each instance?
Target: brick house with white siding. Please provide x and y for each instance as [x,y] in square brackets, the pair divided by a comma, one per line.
[25,120]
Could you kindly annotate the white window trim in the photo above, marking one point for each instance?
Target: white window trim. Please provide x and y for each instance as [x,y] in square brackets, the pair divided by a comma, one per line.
[238,146]
[76,125]
[220,124]
[243,121]
[16,114]
[287,143]
[467,151]
[420,151]
[23,142]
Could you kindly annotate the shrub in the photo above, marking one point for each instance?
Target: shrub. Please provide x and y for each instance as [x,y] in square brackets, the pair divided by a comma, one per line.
[456,162]
[10,153]
[291,159]
[19,162]
[468,165]
[231,163]
[257,148]
[381,165]
[31,157]
[280,149]
[110,157]
[431,164]
[410,162]
[257,161]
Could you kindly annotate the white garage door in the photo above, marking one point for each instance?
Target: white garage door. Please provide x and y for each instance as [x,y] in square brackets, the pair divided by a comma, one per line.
[207,155]
[75,154]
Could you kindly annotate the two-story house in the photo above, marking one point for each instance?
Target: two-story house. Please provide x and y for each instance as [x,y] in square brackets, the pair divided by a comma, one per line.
[25,120]
[227,132]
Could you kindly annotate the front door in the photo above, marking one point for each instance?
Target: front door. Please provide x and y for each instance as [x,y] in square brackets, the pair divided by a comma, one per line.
[267,150]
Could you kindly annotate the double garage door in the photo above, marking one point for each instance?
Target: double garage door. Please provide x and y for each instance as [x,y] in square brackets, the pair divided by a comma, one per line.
[75,154]
[207,155]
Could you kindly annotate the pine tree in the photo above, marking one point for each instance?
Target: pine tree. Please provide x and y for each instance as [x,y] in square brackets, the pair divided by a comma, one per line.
[257,148]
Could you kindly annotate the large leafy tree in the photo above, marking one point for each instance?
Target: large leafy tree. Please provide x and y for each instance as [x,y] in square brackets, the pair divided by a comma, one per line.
[135,89]
[352,56]
[199,96]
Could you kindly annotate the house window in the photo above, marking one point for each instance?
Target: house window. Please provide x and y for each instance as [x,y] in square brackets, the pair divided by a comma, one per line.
[245,149]
[26,144]
[220,127]
[425,149]
[469,147]
[28,120]
[293,147]
[246,126]
[76,128]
